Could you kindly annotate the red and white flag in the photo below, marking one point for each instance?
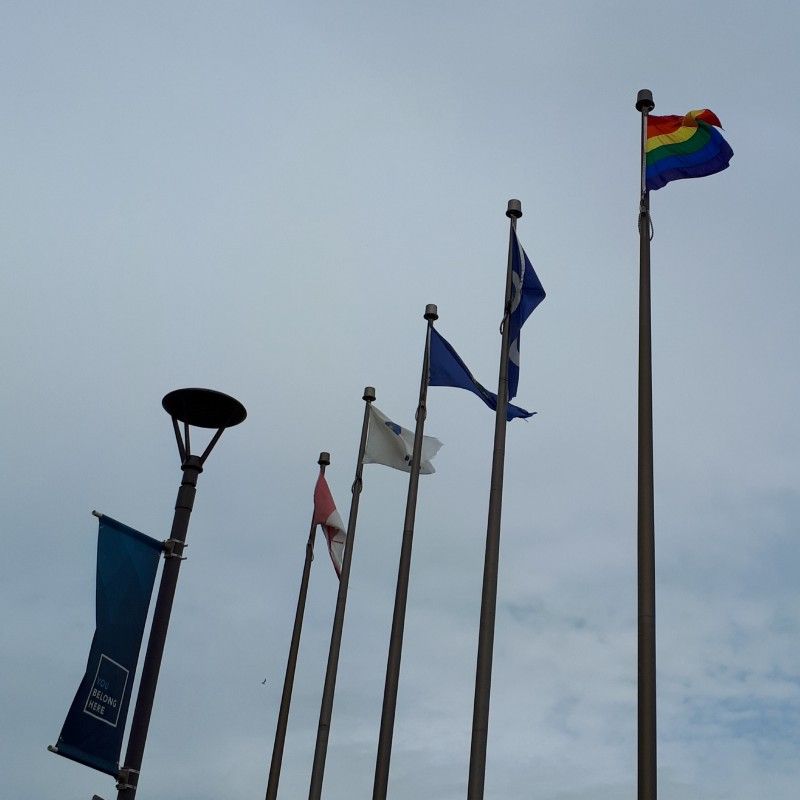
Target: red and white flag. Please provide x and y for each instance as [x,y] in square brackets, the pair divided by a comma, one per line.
[325,514]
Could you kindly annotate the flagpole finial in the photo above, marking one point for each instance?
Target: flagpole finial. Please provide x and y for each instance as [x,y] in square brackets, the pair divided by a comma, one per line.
[644,101]
[514,209]
[324,459]
[431,312]
[369,393]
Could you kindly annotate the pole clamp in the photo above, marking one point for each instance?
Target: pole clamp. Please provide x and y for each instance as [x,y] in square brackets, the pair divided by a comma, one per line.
[124,777]
[646,220]
[173,548]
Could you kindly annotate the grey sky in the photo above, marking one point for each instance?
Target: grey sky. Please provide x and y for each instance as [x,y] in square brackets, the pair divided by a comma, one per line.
[261,198]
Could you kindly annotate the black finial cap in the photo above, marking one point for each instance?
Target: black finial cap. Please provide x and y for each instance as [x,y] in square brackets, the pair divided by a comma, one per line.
[644,101]
[514,209]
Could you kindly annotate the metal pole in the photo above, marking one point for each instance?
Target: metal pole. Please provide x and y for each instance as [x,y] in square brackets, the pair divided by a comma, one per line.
[646,518]
[129,774]
[401,593]
[291,664]
[326,709]
[483,672]
[205,408]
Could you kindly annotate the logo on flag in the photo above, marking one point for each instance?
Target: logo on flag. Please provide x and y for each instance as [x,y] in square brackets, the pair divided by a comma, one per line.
[526,293]
[393,426]
[108,688]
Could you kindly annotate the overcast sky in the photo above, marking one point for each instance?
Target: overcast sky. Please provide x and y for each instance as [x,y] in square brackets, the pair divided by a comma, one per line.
[261,198]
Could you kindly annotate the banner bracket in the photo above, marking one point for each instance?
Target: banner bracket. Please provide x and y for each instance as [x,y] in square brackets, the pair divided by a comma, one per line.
[173,548]
[124,778]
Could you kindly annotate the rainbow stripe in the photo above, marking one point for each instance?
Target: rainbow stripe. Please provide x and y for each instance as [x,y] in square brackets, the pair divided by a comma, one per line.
[684,147]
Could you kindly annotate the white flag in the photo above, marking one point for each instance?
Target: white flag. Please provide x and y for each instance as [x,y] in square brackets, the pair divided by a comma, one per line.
[393,446]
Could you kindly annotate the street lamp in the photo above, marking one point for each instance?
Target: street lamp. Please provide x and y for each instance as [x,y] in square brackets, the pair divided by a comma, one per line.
[202,408]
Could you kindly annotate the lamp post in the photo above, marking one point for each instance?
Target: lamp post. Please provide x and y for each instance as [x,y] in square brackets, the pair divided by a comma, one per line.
[203,408]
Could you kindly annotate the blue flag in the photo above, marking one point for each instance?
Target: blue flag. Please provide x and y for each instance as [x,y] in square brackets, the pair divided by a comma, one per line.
[447,369]
[526,293]
[126,569]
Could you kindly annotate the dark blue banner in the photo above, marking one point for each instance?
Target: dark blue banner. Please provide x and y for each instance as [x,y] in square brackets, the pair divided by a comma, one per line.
[126,570]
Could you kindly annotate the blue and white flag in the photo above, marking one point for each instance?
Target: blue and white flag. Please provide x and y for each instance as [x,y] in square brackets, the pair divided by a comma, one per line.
[393,446]
[447,369]
[126,569]
[526,293]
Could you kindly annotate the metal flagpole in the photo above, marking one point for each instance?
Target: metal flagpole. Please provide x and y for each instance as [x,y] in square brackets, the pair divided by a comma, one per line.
[291,664]
[483,672]
[646,521]
[401,593]
[323,729]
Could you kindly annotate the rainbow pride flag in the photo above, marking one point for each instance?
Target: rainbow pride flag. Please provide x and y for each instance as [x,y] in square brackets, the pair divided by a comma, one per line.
[684,147]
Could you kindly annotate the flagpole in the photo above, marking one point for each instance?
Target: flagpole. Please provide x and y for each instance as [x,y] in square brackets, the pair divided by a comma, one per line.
[401,593]
[646,518]
[288,681]
[326,709]
[483,672]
